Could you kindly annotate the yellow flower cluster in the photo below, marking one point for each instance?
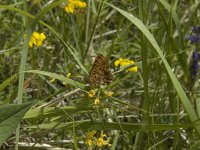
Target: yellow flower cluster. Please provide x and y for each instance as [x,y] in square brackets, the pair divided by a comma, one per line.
[52,79]
[97,101]
[37,39]
[90,138]
[126,62]
[68,76]
[74,4]
[108,93]
[92,93]
[100,141]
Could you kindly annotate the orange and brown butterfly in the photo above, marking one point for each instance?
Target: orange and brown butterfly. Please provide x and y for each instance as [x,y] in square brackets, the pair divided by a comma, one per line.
[100,73]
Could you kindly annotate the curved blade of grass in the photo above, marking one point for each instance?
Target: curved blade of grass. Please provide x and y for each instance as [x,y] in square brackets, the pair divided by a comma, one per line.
[184,99]
[7,82]
[54,112]
[10,117]
[114,144]
[195,146]
[58,77]
[86,124]
[16,10]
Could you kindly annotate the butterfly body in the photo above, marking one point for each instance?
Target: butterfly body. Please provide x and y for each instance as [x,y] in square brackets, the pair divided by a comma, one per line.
[100,73]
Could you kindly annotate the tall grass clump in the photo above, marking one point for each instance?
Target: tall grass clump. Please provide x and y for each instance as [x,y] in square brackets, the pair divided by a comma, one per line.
[79,74]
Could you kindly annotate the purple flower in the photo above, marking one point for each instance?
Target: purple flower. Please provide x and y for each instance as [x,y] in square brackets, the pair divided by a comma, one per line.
[194,67]
[196,29]
[195,55]
[193,38]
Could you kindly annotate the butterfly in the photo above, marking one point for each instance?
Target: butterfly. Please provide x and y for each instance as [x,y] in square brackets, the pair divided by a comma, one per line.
[100,73]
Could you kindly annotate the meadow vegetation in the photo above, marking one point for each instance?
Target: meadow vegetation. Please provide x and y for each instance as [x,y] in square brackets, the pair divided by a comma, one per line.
[99,74]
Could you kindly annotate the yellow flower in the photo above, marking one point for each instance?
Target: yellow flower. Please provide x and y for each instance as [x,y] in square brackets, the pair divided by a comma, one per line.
[97,101]
[91,93]
[126,62]
[101,142]
[37,39]
[79,4]
[69,8]
[90,137]
[74,4]
[110,93]
[68,76]
[133,69]
[52,79]
[88,142]
[117,62]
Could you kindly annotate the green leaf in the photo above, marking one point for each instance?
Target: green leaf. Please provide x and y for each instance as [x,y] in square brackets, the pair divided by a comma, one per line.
[10,117]
[86,124]
[7,82]
[59,77]
[54,112]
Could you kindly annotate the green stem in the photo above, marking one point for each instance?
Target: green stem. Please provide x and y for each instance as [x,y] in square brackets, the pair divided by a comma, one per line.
[22,69]
[21,79]
[93,31]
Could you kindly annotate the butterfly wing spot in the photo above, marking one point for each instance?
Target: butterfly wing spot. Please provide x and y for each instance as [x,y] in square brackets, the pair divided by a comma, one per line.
[100,72]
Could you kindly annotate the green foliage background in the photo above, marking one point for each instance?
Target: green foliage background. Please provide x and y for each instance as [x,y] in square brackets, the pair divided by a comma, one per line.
[156,108]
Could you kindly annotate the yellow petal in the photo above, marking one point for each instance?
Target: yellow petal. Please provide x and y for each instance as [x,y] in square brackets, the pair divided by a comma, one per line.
[91,93]
[91,134]
[133,69]
[52,79]
[36,35]
[68,75]
[42,36]
[117,62]
[97,101]
[38,43]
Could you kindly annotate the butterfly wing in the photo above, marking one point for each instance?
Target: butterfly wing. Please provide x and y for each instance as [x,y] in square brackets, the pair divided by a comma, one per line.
[100,72]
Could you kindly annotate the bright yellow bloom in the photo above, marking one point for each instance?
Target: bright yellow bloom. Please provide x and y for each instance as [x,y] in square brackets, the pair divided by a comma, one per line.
[90,138]
[69,8]
[74,4]
[110,93]
[79,4]
[68,76]
[101,142]
[90,135]
[117,62]
[126,62]
[91,93]
[37,39]
[88,142]
[97,101]
[52,79]
[133,69]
